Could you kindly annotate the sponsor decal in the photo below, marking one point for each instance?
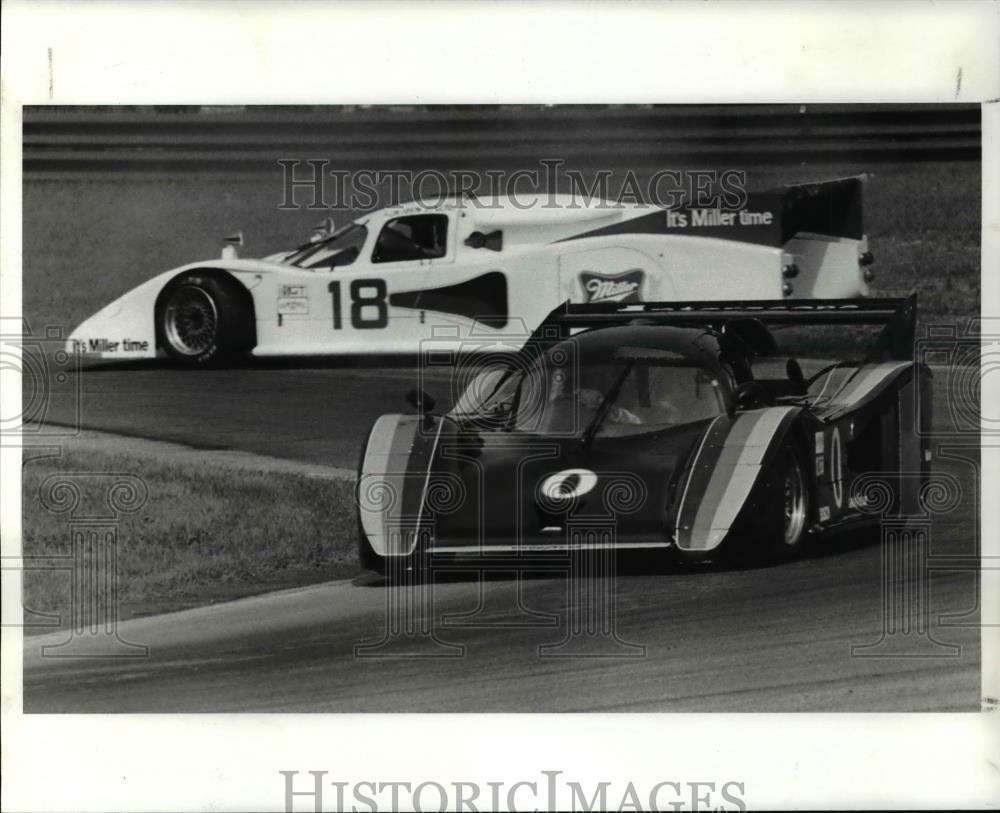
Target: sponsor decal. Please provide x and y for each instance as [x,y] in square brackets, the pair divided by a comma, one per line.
[293,306]
[125,345]
[835,468]
[765,218]
[713,218]
[623,287]
[858,501]
[568,484]
[824,513]
[293,300]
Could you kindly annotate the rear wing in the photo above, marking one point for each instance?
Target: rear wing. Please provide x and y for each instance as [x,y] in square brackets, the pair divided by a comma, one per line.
[897,315]
[831,208]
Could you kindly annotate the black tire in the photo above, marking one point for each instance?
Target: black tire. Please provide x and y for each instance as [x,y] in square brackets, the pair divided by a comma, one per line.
[412,570]
[775,522]
[367,558]
[792,501]
[202,319]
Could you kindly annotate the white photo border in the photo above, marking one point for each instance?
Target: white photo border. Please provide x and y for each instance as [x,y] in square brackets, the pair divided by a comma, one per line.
[176,52]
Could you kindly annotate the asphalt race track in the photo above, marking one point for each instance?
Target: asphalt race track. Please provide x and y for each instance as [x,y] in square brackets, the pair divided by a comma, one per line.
[775,638]
[317,414]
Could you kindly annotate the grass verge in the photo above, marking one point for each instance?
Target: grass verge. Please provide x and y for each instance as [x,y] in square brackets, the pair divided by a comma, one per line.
[205,532]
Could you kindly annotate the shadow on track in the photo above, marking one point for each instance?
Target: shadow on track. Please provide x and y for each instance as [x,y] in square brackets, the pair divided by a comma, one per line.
[632,564]
[332,362]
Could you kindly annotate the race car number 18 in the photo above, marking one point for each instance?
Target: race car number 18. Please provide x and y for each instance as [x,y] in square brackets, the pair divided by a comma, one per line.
[365,293]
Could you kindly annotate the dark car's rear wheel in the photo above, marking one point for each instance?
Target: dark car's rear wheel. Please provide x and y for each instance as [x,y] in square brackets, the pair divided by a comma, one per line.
[201,319]
[793,500]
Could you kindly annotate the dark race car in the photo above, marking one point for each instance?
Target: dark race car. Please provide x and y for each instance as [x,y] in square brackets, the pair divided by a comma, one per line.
[666,425]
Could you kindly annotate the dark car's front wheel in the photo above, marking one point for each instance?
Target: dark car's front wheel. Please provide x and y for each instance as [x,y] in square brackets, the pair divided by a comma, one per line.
[396,570]
[367,558]
[201,319]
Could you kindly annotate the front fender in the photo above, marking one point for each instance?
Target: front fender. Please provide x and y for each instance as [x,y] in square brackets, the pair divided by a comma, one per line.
[126,328]
[392,482]
[723,472]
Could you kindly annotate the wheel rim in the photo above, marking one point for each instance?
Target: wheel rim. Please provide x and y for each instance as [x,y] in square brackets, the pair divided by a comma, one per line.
[190,320]
[795,503]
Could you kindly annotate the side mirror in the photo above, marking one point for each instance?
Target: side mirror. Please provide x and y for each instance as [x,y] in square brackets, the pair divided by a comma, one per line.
[419,400]
[230,245]
[750,395]
[322,230]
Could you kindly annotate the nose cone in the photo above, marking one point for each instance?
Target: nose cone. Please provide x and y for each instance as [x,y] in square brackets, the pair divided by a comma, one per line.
[118,331]
[514,497]
[93,333]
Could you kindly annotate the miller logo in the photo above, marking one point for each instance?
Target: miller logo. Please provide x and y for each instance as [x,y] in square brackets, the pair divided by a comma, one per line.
[623,287]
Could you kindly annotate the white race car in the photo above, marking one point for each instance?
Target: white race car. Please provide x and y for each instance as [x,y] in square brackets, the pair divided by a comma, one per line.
[484,273]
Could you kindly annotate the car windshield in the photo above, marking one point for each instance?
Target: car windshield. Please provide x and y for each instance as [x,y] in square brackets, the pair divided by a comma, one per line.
[339,249]
[632,391]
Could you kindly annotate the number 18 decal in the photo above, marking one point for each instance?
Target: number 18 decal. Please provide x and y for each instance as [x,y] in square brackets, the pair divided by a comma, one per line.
[365,293]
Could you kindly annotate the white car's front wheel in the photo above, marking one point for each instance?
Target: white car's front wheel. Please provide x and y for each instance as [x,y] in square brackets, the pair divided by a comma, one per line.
[201,319]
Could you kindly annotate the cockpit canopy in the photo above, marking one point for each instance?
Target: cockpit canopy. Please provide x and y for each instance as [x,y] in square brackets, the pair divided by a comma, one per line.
[608,382]
[341,248]
[407,238]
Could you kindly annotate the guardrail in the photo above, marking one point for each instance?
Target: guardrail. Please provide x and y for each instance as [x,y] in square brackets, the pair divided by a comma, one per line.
[502,137]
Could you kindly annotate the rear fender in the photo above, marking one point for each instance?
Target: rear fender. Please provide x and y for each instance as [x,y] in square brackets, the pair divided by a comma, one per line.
[724,471]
